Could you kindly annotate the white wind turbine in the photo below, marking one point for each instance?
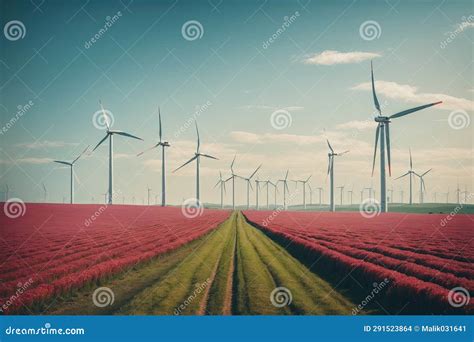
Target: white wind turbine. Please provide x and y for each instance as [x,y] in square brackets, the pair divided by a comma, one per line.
[383,132]
[304,182]
[320,189]
[164,145]
[71,165]
[249,184]
[110,134]
[197,157]
[422,185]
[331,155]
[275,190]
[410,173]
[257,187]
[285,188]
[342,192]
[45,193]
[233,176]
[221,183]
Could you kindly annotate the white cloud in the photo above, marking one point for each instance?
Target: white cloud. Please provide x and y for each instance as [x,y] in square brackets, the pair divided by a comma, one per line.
[330,57]
[410,94]
[46,144]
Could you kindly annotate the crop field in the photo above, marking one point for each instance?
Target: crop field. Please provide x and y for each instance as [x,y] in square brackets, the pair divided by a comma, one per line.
[420,257]
[54,249]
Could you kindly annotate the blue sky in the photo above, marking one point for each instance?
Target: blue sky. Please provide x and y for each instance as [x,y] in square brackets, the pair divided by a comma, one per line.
[316,69]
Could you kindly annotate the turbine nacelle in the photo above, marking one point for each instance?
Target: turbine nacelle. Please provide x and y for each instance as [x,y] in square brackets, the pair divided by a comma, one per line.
[383,119]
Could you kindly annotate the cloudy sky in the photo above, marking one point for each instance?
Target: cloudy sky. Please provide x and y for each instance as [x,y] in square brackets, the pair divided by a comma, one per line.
[268,81]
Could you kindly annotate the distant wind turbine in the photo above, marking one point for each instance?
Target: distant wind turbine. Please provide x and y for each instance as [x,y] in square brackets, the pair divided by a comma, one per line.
[148,193]
[422,185]
[331,155]
[383,132]
[410,173]
[164,145]
[257,187]
[342,192]
[232,177]
[320,195]
[45,193]
[249,184]
[304,182]
[71,165]
[197,157]
[221,183]
[275,190]
[110,134]
[285,188]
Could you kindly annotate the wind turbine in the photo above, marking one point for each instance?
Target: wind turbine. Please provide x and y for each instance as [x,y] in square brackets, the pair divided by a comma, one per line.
[110,135]
[304,182]
[465,193]
[233,175]
[383,132]
[164,145]
[410,173]
[458,194]
[275,190]
[257,186]
[221,182]
[342,192]
[310,194]
[320,195]
[71,165]
[391,195]
[350,192]
[45,193]
[249,185]
[422,185]
[285,188]
[197,157]
[148,193]
[331,155]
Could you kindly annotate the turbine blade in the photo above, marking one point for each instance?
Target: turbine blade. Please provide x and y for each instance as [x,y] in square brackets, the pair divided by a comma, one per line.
[411,110]
[100,142]
[342,153]
[62,162]
[332,151]
[286,176]
[208,156]
[198,140]
[232,164]
[402,176]
[377,132]
[148,149]
[85,150]
[329,163]
[159,121]
[125,134]
[250,183]
[376,101]
[387,133]
[307,179]
[253,174]
[426,172]
[411,161]
[190,160]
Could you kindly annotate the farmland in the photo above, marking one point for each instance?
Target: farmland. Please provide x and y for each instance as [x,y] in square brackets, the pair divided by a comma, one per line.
[55,249]
[422,257]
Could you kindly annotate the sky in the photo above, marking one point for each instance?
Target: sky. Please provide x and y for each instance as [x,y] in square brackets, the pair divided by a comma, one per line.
[266,81]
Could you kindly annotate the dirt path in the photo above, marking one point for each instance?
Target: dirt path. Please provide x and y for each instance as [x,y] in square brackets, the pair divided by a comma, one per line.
[236,269]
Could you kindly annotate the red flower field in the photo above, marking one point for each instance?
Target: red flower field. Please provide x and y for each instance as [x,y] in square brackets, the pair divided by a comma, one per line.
[56,248]
[423,257]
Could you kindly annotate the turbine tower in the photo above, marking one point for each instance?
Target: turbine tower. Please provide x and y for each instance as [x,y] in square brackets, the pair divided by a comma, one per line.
[71,165]
[164,145]
[285,188]
[148,193]
[331,155]
[410,173]
[233,175]
[197,157]
[257,187]
[275,190]
[320,195]
[383,133]
[422,185]
[350,192]
[110,134]
[249,185]
[342,192]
